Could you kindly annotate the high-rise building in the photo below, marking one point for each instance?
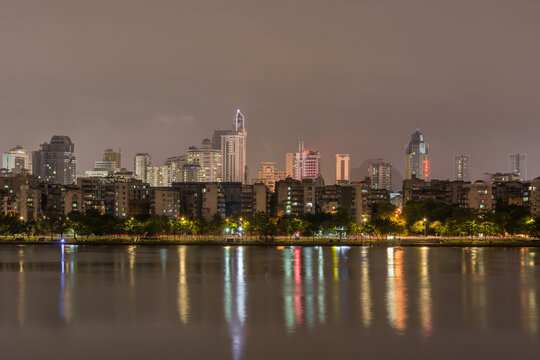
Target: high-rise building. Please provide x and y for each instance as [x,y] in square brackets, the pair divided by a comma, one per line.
[158,176]
[517,164]
[417,157]
[306,163]
[175,165]
[17,160]
[462,167]
[141,162]
[216,138]
[191,173]
[234,150]
[380,174]
[208,158]
[268,175]
[289,164]
[342,168]
[111,155]
[56,162]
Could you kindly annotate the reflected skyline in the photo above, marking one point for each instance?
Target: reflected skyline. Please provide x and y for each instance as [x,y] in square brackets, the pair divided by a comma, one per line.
[395,292]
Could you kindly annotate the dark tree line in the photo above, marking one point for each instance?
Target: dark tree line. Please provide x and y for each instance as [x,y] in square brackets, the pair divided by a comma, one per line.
[416,218]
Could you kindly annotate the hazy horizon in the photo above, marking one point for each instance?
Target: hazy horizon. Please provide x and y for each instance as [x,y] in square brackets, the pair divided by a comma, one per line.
[353,77]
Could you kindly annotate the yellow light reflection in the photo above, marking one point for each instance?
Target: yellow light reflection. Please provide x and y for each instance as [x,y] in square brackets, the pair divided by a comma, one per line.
[424,296]
[365,290]
[21,295]
[396,296]
[182,289]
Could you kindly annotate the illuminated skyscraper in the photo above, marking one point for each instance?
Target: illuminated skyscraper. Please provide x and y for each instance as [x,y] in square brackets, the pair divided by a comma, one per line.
[380,174]
[417,157]
[17,160]
[141,162]
[342,168]
[306,163]
[268,175]
[209,160]
[462,167]
[111,155]
[56,162]
[289,164]
[234,150]
[517,164]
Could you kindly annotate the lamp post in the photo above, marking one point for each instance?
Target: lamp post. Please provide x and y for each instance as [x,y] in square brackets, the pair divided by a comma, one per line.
[425,227]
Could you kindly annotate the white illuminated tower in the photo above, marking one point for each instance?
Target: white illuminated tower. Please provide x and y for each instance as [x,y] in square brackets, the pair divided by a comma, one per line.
[306,163]
[141,162]
[234,150]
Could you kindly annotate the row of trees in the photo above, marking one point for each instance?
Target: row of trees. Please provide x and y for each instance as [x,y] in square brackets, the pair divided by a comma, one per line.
[433,218]
[419,218]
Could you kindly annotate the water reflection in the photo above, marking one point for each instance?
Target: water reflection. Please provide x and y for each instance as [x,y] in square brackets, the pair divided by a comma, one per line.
[474,300]
[182,298]
[527,296]
[396,291]
[321,301]
[288,296]
[309,284]
[234,302]
[365,290]
[424,294]
[21,295]
[394,294]
[67,282]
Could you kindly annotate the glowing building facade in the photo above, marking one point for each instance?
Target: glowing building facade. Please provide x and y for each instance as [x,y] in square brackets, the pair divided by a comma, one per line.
[234,150]
[56,162]
[417,157]
[306,163]
[17,160]
[342,168]
[208,158]
[380,174]
[141,163]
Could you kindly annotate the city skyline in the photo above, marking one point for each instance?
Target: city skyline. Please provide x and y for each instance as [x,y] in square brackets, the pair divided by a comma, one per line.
[96,171]
[158,88]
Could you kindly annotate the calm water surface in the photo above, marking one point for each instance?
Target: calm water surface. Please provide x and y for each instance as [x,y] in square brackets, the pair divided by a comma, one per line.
[137,302]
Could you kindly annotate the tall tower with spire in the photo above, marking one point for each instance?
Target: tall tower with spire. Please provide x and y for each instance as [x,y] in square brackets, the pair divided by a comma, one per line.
[417,157]
[234,150]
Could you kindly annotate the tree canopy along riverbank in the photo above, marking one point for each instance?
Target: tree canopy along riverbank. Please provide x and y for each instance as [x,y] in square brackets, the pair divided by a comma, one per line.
[429,219]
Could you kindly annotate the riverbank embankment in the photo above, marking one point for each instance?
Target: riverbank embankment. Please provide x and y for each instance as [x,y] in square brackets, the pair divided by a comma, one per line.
[203,240]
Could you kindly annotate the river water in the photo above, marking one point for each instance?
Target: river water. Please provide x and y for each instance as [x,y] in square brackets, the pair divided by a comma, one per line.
[186,302]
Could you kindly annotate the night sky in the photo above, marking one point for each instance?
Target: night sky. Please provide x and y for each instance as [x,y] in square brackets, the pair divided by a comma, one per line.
[352,76]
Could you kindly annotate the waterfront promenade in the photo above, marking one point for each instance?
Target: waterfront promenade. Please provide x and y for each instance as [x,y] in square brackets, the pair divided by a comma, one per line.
[257,240]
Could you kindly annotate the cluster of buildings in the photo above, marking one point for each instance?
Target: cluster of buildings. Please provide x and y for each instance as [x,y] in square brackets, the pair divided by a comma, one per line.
[213,179]
[505,189]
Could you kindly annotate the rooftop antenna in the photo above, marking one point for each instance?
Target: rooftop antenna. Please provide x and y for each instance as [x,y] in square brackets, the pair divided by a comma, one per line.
[300,142]
[417,125]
